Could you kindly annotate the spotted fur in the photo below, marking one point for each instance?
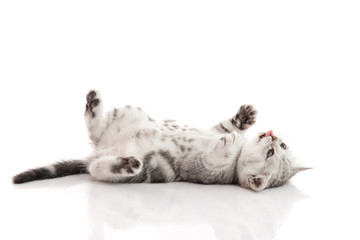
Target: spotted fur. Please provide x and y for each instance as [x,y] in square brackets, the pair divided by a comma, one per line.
[131,147]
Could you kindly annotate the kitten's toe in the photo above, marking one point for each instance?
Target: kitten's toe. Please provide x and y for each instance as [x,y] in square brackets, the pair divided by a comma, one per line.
[91,95]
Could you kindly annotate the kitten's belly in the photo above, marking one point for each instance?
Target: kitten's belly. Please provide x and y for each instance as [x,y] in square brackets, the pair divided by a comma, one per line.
[139,142]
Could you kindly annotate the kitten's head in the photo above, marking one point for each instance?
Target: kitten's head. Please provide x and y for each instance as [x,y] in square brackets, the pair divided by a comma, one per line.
[266,162]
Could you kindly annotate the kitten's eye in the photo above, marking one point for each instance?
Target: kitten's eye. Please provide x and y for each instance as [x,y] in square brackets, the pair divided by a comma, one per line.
[270,153]
[283,146]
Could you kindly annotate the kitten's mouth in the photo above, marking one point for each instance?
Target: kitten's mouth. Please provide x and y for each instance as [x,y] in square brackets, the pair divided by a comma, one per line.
[267,134]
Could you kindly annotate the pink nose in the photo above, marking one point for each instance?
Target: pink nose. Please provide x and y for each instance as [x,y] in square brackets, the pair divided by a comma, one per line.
[269,133]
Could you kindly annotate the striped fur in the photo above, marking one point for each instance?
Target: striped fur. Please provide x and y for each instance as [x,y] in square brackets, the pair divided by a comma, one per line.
[60,169]
[131,147]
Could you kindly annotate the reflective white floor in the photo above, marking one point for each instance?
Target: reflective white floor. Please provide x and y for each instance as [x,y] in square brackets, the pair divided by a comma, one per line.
[77,207]
[91,210]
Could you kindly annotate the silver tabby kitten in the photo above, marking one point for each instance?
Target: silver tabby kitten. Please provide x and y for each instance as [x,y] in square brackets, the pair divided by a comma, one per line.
[131,147]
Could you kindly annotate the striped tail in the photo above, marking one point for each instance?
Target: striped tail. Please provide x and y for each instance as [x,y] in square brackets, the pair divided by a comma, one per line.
[60,169]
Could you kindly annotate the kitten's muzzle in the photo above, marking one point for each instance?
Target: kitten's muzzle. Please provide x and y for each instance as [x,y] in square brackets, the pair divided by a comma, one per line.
[263,135]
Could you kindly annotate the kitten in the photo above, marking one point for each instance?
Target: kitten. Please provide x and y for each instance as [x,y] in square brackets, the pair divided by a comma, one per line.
[131,147]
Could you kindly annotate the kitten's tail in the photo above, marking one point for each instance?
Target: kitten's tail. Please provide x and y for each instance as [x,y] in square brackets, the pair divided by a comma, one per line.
[60,169]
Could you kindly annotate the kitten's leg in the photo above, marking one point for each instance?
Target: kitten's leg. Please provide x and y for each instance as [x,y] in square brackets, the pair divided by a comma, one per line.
[98,124]
[227,145]
[94,115]
[244,118]
[118,169]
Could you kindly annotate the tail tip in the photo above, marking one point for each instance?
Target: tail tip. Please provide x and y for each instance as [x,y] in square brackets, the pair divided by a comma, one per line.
[23,178]
[17,179]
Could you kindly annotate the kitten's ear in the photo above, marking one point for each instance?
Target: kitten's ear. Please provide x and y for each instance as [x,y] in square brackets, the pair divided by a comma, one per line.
[295,170]
[258,182]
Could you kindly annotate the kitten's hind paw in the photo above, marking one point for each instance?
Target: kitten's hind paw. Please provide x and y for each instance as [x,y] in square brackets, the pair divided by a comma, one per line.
[92,102]
[245,117]
[115,169]
[127,166]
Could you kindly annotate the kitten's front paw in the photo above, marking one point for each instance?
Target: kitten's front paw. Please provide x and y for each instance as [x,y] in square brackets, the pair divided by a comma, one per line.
[227,140]
[245,117]
[92,101]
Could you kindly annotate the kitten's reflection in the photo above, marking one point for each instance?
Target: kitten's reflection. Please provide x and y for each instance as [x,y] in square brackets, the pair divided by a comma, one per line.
[230,212]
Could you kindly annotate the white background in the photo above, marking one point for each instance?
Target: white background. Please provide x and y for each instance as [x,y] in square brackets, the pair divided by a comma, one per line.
[195,61]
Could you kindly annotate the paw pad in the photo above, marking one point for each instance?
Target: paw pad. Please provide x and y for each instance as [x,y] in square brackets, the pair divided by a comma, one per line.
[245,117]
[92,102]
[126,165]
